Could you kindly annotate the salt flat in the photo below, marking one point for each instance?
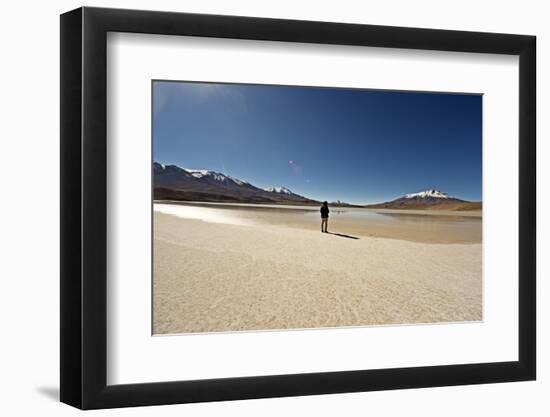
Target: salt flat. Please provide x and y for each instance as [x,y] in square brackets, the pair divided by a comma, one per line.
[245,272]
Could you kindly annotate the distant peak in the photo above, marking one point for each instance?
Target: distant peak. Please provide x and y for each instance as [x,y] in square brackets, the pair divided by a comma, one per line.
[201,173]
[279,190]
[428,194]
[218,176]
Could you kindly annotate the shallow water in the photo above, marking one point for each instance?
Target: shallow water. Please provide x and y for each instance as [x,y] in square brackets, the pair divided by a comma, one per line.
[419,226]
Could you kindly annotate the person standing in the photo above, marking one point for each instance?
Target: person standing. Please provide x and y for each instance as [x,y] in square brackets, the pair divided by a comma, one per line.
[324,217]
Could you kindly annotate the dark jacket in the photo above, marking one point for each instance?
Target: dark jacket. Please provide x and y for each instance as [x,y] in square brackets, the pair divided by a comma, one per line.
[324,212]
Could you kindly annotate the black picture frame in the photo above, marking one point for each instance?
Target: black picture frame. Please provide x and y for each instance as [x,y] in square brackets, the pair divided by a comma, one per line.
[84,207]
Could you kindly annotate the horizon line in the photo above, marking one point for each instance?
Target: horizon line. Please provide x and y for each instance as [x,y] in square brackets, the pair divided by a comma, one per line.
[398,195]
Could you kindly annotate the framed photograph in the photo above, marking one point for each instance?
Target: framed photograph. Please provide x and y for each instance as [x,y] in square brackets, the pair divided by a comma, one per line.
[257,208]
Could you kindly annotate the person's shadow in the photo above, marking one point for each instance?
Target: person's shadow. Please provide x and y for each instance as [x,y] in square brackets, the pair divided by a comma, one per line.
[342,235]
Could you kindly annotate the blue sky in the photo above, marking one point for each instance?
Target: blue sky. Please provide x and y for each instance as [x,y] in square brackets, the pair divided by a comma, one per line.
[358,146]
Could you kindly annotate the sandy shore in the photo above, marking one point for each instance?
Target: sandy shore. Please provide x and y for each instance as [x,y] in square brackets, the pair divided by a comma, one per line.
[425,226]
[211,277]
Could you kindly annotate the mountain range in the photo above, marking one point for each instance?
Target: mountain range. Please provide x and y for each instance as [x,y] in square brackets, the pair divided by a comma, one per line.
[172,182]
[429,199]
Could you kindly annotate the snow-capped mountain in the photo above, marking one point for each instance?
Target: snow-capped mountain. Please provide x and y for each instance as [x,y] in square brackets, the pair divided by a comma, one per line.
[429,199]
[216,176]
[161,168]
[428,194]
[176,183]
[280,190]
[202,173]
[207,175]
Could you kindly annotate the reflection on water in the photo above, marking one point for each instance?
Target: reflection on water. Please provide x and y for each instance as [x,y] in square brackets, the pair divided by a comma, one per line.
[421,226]
[349,213]
[371,214]
[430,218]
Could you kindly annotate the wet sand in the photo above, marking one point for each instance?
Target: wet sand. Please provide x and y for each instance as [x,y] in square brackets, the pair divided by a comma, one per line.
[234,269]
